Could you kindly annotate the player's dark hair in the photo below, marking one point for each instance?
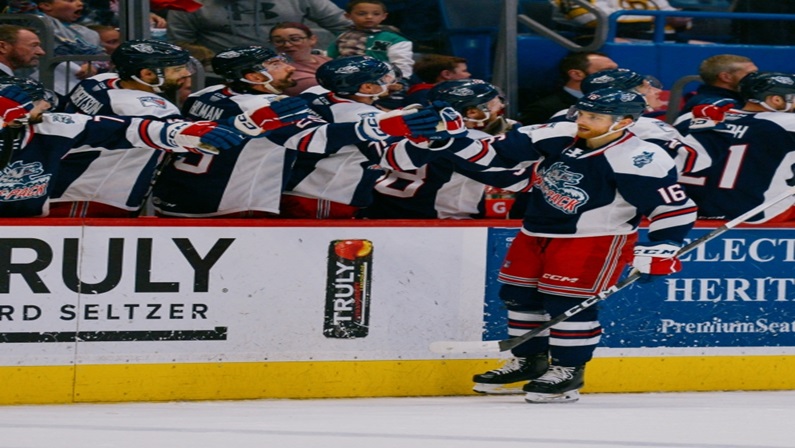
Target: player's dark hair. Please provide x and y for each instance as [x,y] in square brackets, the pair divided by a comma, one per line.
[428,67]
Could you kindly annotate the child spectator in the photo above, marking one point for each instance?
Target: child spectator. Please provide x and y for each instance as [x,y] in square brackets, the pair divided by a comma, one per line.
[368,37]
[70,39]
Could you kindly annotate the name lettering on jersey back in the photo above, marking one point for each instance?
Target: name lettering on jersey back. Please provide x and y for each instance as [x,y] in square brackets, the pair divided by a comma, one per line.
[205,111]
[85,101]
[557,184]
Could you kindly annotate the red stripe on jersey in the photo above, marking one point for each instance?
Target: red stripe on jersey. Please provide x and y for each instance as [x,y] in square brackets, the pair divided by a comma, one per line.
[673,213]
[575,334]
[389,156]
[690,159]
[483,151]
[143,132]
[303,144]
[113,83]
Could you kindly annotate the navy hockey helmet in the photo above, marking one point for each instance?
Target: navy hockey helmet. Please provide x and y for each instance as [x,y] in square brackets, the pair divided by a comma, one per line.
[617,78]
[756,86]
[463,93]
[234,63]
[133,56]
[35,90]
[344,76]
[611,101]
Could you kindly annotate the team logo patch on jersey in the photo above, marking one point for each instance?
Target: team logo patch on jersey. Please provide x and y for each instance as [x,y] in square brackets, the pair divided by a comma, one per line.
[20,181]
[557,184]
[61,118]
[643,159]
[153,101]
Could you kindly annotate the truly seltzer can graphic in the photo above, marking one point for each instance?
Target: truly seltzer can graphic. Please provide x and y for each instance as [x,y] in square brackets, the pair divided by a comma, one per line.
[350,264]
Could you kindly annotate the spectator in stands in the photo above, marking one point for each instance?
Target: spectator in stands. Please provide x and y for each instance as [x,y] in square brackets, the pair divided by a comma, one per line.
[629,26]
[222,24]
[109,37]
[367,37]
[297,42]
[721,75]
[572,69]
[71,39]
[431,69]
[19,48]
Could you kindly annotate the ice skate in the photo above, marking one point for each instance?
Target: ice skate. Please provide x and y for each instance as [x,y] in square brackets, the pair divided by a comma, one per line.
[501,381]
[558,385]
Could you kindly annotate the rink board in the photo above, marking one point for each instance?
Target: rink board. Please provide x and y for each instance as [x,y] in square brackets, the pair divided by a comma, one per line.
[156,309]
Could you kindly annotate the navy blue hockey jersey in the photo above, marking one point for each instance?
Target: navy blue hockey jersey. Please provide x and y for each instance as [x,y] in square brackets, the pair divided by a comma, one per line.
[26,183]
[250,177]
[744,162]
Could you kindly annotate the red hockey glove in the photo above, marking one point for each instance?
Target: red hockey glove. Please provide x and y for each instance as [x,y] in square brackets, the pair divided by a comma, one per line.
[15,104]
[709,116]
[202,137]
[656,259]
[273,116]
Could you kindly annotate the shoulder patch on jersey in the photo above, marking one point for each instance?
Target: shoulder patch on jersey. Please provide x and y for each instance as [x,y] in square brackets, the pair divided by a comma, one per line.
[643,159]
[152,101]
[62,118]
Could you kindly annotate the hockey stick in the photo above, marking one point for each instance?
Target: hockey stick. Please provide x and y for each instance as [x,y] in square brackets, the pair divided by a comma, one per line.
[11,142]
[444,347]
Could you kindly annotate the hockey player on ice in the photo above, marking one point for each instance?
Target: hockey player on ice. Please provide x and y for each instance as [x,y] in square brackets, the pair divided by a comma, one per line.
[573,246]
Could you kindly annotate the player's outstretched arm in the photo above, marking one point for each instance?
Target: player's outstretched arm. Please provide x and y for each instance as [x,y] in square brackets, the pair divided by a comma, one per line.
[271,115]
[202,137]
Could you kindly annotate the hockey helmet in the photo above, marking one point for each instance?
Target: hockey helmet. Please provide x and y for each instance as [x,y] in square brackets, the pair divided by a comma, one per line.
[612,101]
[34,89]
[234,63]
[756,86]
[133,56]
[617,78]
[344,76]
[463,93]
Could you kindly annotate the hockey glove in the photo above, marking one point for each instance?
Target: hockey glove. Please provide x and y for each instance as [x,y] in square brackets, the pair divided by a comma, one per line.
[411,123]
[656,259]
[273,116]
[15,104]
[202,137]
[451,124]
[710,116]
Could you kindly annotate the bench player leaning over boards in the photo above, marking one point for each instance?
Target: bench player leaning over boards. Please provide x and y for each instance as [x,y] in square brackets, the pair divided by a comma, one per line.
[248,180]
[42,139]
[95,182]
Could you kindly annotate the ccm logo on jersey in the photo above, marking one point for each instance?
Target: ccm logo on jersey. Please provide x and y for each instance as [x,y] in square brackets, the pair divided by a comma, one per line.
[560,278]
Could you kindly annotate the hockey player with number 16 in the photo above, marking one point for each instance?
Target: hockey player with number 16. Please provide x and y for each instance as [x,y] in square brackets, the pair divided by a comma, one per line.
[592,184]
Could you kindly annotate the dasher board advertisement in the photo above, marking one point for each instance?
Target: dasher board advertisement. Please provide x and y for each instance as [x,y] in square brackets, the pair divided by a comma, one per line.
[104,294]
[737,290]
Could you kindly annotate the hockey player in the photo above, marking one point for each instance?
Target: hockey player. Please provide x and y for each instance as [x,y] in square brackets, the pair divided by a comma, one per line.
[744,157]
[337,185]
[99,183]
[247,180]
[592,184]
[440,188]
[44,138]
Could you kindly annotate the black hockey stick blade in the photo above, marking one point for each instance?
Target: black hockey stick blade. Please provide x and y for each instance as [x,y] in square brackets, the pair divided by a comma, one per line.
[447,347]
[11,142]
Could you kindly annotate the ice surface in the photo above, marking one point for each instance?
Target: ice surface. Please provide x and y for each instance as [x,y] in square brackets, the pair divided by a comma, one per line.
[673,420]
